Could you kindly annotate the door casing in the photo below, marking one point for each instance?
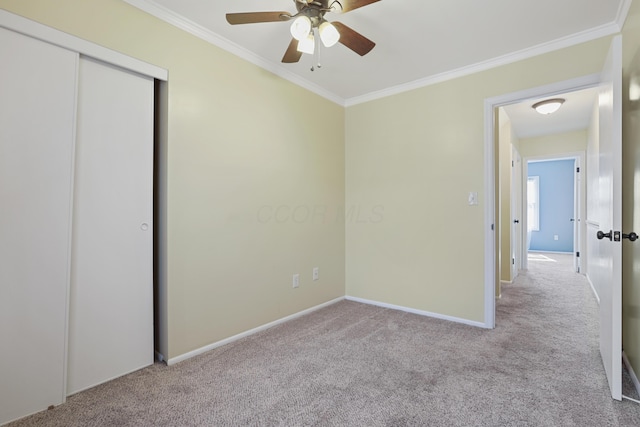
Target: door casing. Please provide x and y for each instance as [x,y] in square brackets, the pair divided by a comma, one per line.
[491,106]
[579,159]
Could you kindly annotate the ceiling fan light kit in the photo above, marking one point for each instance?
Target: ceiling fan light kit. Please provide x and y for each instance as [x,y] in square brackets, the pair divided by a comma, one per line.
[309,22]
[328,34]
[548,106]
[307,44]
[301,27]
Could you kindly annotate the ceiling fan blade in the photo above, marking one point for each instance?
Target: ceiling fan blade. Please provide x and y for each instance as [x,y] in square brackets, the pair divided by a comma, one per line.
[292,54]
[349,5]
[353,40]
[255,17]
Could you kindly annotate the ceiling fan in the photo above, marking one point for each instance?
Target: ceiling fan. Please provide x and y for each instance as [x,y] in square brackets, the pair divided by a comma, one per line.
[309,24]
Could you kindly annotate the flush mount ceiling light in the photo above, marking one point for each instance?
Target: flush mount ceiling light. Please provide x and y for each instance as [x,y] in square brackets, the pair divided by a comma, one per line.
[548,106]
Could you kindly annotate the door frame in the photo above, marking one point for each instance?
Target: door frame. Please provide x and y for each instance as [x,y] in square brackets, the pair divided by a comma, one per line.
[491,106]
[579,161]
[517,212]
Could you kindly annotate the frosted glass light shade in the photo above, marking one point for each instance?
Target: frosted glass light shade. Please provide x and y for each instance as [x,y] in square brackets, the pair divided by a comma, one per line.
[301,27]
[307,44]
[328,34]
[548,106]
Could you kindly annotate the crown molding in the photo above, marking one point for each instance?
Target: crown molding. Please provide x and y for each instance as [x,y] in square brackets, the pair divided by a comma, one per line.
[623,11]
[38,31]
[561,43]
[170,17]
[201,32]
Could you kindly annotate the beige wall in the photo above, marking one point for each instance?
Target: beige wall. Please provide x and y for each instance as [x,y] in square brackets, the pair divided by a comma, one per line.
[554,145]
[251,195]
[418,154]
[239,162]
[631,192]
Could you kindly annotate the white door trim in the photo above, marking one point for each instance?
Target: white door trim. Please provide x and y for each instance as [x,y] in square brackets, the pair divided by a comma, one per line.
[50,35]
[517,212]
[490,105]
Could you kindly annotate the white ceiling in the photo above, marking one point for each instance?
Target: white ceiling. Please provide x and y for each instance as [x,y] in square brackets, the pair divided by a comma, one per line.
[575,114]
[417,42]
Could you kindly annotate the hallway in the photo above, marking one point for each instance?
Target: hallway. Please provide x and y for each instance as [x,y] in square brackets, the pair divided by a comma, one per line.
[557,309]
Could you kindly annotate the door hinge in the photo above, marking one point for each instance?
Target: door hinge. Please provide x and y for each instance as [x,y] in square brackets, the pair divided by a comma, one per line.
[577,254]
[513,261]
[491,227]
[512,164]
[577,170]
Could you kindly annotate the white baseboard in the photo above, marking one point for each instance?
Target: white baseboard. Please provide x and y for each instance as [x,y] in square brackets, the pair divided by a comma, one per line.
[632,373]
[198,351]
[593,289]
[420,312]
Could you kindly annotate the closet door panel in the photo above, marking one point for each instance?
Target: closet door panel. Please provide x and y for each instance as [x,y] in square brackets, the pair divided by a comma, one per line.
[111,313]
[37,110]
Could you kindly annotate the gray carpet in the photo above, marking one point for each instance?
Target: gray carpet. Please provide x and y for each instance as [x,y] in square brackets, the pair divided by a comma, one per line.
[352,364]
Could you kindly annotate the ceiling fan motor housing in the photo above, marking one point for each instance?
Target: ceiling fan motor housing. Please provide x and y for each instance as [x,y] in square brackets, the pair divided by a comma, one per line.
[314,10]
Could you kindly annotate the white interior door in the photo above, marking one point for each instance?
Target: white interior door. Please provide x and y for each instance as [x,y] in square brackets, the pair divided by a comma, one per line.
[610,217]
[111,303]
[37,110]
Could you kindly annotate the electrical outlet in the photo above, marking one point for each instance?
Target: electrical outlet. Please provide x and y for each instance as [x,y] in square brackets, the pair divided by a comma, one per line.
[555,237]
[316,273]
[296,280]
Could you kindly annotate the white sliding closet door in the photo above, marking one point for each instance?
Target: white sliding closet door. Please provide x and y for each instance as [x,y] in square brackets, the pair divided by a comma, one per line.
[111,304]
[37,110]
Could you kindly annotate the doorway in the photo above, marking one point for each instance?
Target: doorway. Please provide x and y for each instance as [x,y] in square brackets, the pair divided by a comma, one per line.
[604,154]
[552,206]
[557,146]
[493,106]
